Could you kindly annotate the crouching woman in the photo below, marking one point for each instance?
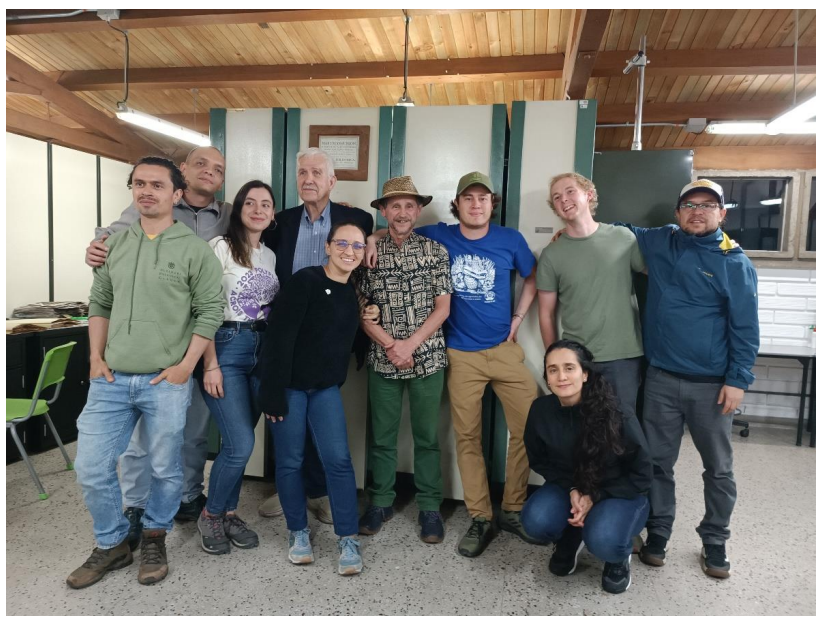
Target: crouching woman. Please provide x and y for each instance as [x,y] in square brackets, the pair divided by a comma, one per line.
[596,467]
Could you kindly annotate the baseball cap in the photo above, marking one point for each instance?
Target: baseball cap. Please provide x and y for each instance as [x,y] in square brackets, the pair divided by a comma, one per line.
[475,177]
[705,186]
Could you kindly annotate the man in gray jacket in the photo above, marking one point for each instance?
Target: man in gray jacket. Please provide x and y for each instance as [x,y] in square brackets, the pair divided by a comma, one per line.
[204,173]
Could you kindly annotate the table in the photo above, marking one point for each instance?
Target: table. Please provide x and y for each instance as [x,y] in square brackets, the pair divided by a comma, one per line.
[807,357]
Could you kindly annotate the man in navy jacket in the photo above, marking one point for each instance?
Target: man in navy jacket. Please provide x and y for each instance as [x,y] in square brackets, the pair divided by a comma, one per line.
[701,337]
[298,241]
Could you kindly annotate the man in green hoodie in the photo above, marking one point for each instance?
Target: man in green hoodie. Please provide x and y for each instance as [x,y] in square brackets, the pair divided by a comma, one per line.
[154,306]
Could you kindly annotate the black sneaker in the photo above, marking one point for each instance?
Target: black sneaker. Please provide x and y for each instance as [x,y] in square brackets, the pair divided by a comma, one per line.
[134,515]
[373,518]
[477,538]
[566,552]
[191,510]
[616,577]
[212,534]
[653,552]
[432,531]
[238,532]
[714,561]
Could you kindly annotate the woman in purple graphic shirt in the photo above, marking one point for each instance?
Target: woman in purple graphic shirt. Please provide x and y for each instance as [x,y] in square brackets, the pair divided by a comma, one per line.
[230,378]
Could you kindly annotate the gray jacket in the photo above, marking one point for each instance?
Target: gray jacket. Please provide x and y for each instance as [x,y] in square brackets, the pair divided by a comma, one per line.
[207,222]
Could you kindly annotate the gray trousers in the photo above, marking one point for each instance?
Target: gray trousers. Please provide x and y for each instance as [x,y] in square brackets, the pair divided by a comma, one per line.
[624,377]
[135,468]
[670,404]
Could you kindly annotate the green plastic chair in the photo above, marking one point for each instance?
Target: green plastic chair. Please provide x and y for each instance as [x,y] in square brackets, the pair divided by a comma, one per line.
[19,411]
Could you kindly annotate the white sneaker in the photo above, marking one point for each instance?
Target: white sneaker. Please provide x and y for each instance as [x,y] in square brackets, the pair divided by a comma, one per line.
[271,507]
[321,508]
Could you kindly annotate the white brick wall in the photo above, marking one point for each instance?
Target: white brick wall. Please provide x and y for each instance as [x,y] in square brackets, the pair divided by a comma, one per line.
[787,308]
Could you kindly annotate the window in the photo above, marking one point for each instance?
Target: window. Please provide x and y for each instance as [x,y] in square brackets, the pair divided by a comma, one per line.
[807,232]
[764,210]
[810,235]
[756,211]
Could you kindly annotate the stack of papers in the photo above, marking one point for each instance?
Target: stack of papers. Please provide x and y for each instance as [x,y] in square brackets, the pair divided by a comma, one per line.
[51,309]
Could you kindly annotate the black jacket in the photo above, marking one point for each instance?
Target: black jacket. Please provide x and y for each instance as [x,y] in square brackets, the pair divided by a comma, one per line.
[283,239]
[551,434]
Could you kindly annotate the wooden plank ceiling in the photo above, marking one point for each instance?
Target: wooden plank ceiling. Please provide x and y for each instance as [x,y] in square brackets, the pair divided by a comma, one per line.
[730,64]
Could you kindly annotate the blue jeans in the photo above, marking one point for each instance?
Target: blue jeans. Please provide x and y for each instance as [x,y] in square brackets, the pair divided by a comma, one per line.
[105,428]
[135,470]
[236,414]
[609,526]
[318,413]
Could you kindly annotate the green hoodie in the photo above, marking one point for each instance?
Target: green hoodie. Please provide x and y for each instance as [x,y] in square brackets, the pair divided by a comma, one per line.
[156,293]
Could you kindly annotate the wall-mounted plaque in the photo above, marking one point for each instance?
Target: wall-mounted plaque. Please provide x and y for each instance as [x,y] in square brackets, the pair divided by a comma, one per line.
[347,146]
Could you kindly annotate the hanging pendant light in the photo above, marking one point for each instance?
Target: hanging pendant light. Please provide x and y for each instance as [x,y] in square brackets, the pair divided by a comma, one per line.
[405,99]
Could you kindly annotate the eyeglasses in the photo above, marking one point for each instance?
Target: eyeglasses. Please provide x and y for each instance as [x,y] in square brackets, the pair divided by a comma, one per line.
[342,245]
[705,207]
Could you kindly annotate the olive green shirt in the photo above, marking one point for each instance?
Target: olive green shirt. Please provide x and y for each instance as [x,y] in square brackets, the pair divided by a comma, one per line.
[592,277]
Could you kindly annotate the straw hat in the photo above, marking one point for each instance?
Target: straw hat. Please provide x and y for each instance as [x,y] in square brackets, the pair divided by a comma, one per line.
[401,185]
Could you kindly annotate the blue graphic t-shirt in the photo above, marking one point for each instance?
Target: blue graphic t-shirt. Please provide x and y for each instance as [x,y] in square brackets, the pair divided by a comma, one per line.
[248,292]
[481,274]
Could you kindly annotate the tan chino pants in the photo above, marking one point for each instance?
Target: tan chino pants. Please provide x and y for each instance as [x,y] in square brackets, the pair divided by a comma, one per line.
[468,374]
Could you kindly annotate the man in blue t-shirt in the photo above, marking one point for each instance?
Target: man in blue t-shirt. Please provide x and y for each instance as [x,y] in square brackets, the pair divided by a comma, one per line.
[480,336]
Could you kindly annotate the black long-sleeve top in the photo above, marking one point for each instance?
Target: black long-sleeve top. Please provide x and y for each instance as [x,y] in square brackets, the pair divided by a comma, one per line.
[308,341]
[551,435]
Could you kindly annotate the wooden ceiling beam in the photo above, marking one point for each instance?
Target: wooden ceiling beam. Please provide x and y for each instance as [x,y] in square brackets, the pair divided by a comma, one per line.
[752,61]
[74,107]
[680,112]
[37,128]
[584,39]
[530,67]
[131,19]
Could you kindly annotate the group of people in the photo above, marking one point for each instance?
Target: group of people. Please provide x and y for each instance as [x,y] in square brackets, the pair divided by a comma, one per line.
[264,310]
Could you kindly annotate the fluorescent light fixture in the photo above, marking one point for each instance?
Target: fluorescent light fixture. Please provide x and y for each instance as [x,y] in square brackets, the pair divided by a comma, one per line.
[802,127]
[736,127]
[771,202]
[795,115]
[150,122]
[731,205]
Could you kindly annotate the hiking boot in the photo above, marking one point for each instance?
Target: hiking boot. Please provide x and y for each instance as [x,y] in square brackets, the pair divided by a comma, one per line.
[476,540]
[566,552]
[350,558]
[653,552]
[238,532]
[134,515]
[153,558]
[212,534]
[101,561]
[271,507]
[616,577]
[299,547]
[511,521]
[373,518]
[321,508]
[432,530]
[191,510]
[714,561]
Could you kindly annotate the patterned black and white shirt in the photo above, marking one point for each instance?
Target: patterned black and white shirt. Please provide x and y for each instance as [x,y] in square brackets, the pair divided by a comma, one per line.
[404,285]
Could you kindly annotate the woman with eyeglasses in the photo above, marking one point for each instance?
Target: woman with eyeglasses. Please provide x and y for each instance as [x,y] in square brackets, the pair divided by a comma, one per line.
[230,381]
[596,467]
[304,362]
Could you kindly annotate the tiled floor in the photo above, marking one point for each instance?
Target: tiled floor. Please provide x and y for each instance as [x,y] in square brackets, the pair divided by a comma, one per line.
[773,555]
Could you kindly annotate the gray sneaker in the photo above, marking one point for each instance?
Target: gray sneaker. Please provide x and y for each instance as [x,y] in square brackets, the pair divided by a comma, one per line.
[238,532]
[212,534]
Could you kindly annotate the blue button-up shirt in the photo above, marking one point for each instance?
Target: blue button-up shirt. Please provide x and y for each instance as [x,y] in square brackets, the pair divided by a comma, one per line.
[310,249]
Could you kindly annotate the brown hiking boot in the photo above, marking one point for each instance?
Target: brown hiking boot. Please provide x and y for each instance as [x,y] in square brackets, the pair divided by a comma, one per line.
[101,561]
[153,560]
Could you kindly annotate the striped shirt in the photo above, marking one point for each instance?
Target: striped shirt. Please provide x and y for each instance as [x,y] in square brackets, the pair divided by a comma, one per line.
[310,249]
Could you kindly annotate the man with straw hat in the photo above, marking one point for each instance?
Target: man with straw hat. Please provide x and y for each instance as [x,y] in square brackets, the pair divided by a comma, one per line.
[411,283]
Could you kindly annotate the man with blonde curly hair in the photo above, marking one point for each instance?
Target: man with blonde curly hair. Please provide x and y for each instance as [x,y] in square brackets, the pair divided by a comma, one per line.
[586,275]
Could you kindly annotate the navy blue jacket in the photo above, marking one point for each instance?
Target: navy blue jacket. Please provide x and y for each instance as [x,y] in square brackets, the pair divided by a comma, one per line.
[701,314]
